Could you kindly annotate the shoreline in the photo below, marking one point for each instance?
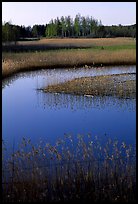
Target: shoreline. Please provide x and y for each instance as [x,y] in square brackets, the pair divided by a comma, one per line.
[120,85]
[87,53]
[22,62]
[33,68]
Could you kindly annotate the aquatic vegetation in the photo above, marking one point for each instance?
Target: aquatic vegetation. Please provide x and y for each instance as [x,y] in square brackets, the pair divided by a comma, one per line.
[78,168]
[120,85]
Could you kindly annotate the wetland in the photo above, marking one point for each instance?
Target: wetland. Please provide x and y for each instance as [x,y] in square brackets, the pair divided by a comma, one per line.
[69,130]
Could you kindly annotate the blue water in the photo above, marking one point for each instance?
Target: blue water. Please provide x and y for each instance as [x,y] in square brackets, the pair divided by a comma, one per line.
[29,113]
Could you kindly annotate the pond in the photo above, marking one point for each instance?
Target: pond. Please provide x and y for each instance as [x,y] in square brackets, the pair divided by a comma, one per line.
[29,113]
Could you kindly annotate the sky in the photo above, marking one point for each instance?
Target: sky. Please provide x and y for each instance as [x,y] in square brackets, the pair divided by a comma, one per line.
[31,13]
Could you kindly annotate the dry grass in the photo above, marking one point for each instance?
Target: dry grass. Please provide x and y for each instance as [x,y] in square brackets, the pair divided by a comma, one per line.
[90,42]
[74,169]
[16,62]
[116,51]
[68,43]
[98,85]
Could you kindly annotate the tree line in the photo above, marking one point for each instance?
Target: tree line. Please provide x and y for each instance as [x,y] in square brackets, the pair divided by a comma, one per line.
[80,26]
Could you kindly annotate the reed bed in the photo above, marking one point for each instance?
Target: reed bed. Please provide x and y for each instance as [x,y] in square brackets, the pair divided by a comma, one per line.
[82,42]
[74,169]
[60,53]
[18,62]
[120,85]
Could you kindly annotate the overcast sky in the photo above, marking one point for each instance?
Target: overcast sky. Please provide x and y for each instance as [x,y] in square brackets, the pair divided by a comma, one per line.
[31,13]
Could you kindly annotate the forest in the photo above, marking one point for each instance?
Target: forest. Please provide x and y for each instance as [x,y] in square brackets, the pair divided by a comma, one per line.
[66,27]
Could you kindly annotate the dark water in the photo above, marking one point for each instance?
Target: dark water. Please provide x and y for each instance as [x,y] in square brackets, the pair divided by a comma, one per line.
[33,114]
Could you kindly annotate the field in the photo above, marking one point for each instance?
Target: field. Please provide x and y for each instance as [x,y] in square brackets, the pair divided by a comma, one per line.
[60,53]
[76,43]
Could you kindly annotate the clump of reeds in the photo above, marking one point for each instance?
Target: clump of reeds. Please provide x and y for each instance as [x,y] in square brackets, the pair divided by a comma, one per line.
[106,85]
[74,169]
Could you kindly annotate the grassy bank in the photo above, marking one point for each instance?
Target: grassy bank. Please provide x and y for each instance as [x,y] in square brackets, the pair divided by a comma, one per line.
[118,85]
[74,169]
[90,52]
[68,43]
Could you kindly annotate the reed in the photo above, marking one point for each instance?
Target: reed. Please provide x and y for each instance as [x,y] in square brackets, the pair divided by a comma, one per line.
[120,85]
[60,53]
[74,169]
[57,43]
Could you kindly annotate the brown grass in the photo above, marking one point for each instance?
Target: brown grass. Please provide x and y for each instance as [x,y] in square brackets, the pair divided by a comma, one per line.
[124,54]
[16,62]
[97,85]
[80,42]
[74,169]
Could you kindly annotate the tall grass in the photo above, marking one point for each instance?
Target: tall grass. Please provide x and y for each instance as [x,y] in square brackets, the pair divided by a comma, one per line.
[16,62]
[74,169]
[92,52]
[82,42]
[120,85]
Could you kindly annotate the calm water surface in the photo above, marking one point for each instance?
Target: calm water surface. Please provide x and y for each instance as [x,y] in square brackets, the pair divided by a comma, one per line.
[33,114]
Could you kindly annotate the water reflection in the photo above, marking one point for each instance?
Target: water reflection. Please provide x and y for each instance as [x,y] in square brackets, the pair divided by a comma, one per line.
[31,113]
[54,76]
[8,81]
[75,102]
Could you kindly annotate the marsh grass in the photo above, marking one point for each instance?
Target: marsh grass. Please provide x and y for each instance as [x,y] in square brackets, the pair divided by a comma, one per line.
[60,53]
[120,85]
[74,169]
[58,43]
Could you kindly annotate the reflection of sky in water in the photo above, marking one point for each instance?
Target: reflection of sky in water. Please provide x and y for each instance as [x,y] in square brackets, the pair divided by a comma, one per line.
[53,76]
[75,102]
[29,113]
